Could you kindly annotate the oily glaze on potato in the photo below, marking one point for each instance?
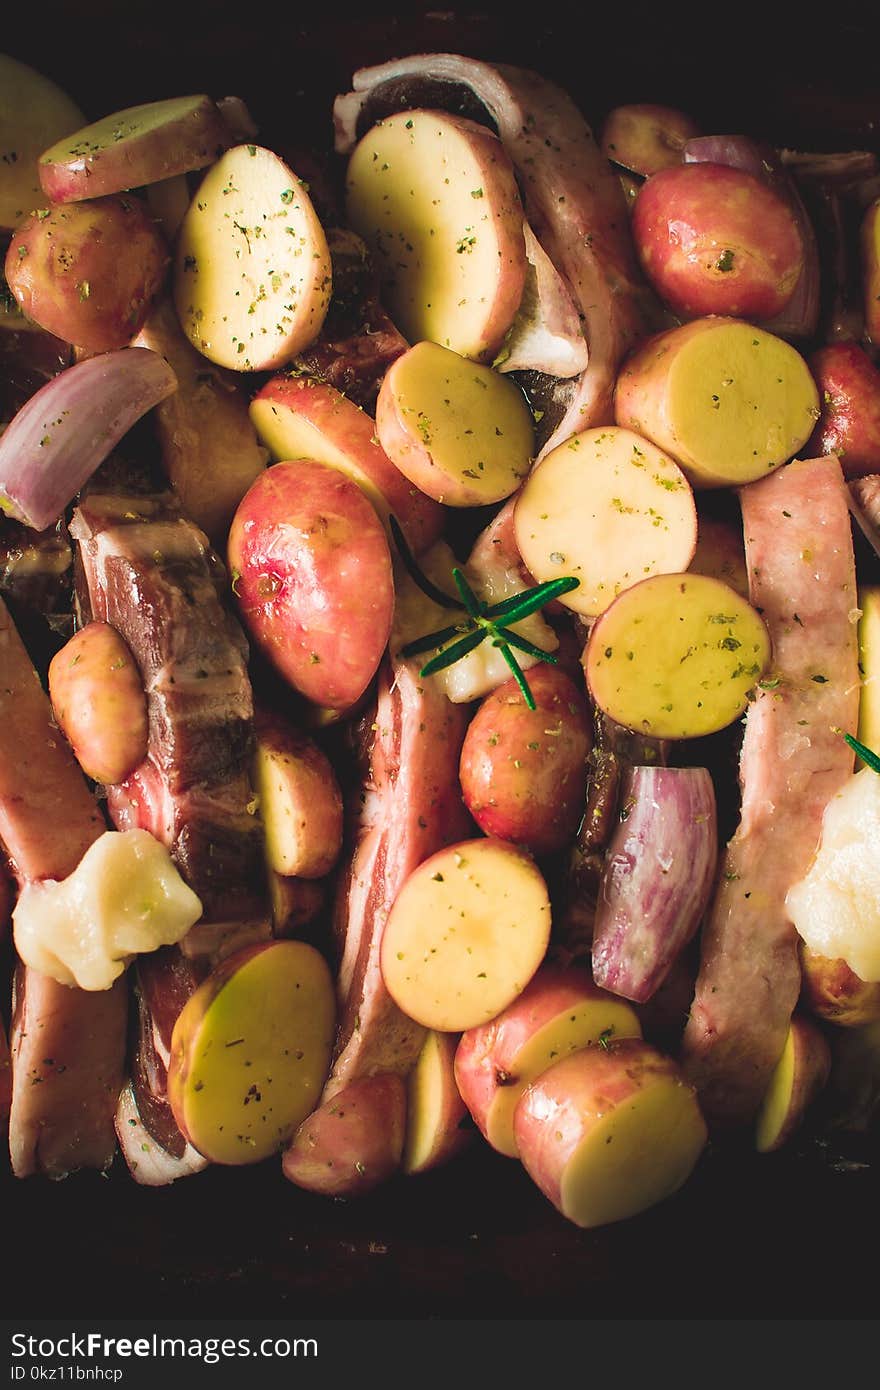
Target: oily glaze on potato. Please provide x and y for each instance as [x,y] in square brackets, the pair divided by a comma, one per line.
[34,112]
[352,1142]
[608,507]
[609,1131]
[728,401]
[849,423]
[250,1051]
[466,933]
[88,271]
[676,656]
[311,572]
[99,702]
[560,1011]
[645,138]
[716,240]
[460,432]
[524,772]
[435,198]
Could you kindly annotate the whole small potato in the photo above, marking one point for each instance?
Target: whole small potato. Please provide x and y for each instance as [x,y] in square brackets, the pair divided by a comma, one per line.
[99,702]
[849,400]
[88,271]
[524,772]
[716,240]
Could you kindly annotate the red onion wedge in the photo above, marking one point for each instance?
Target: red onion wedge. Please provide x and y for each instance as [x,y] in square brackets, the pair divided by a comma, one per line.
[137,146]
[658,878]
[800,317]
[62,434]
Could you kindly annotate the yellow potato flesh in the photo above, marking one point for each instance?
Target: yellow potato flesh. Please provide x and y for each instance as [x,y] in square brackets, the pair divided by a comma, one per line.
[428,1110]
[438,218]
[252,272]
[777,1100]
[869,664]
[739,402]
[248,1064]
[577,1027]
[466,933]
[639,1153]
[470,426]
[33,113]
[609,508]
[676,656]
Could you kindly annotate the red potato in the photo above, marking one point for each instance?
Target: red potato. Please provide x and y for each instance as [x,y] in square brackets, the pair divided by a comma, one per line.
[300,800]
[99,702]
[645,138]
[33,113]
[134,147]
[88,272]
[835,993]
[849,401]
[524,772]
[296,417]
[437,1125]
[559,1011]
[800,1074]
[870,249]
[312,576]
[716,240]
[353,1142]
[609,1131]
[721,553]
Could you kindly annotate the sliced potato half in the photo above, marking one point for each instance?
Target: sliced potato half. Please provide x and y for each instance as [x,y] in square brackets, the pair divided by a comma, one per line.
[676,656]
[610,508]
[252,273]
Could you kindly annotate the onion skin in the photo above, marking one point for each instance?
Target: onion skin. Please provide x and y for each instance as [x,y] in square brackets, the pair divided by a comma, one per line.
[658,878]
[64,432]
[800,317]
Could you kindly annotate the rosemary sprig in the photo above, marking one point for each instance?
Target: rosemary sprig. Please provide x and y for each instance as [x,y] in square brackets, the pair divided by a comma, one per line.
[479,620]
[867,755]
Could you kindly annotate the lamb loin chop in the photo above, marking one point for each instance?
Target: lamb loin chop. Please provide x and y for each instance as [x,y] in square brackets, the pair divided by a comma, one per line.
[150,572]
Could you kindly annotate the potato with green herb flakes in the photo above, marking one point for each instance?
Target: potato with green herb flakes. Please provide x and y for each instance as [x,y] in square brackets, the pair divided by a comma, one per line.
[99,702]
[676,656]
[250,1051]
[33,113]
[728,401]
[252,271]
[608,507]
[465,934]
[435,198]
[460,432]
[352,1142]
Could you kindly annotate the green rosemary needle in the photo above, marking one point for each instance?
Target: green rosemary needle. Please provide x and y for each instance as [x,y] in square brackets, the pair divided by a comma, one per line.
[867,755]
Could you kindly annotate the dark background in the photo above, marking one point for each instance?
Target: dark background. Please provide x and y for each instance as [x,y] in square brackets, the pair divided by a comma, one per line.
[788,1235]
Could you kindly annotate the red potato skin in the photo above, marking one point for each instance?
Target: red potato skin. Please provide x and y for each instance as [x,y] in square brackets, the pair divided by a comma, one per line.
[453,1132]
[485,1058]
[353,1142]
[812,1069]
[835,993]
[351,430]
[312,576]
[88,271]
[849,399]
[870,249]
[687,219]
[645,138]
[556,1112]
[99,702]
[519,781]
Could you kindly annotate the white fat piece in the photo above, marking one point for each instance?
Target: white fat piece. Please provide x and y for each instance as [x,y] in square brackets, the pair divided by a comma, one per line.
[836,906]
[124,898]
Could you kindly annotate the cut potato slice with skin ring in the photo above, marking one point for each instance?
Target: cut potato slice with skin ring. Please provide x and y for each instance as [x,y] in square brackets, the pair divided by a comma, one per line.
[250,1051]
[435,198]
[33,113]
[676,656]
[252,273]
[466,933]
[728,401]
[460,431]
[610,508]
